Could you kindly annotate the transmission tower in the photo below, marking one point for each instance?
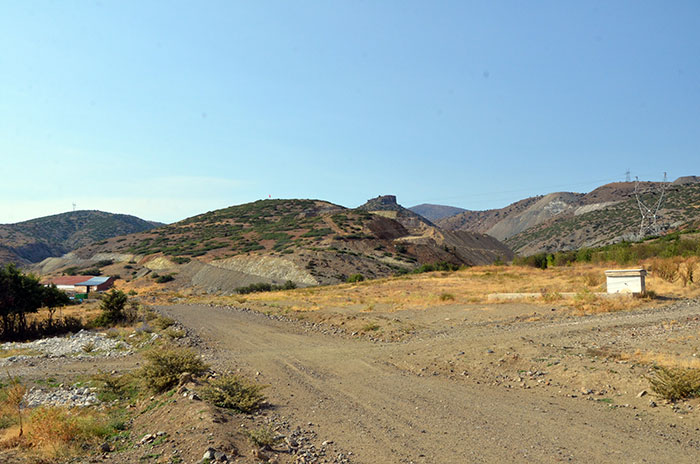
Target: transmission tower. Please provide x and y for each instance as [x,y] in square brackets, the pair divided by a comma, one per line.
[627,176]
[650,214]
[74,205]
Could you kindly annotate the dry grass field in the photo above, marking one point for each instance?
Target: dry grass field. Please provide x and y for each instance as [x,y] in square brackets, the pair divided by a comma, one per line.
[468,286]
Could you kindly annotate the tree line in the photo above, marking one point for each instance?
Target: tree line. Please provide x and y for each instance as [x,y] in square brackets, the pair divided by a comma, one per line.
[22,294]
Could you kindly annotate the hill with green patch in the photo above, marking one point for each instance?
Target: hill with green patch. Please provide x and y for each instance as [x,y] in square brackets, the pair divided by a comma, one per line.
[34,240]
[307,242]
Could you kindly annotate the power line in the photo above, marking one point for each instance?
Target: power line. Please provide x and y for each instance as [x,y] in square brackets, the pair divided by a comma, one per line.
[650,214]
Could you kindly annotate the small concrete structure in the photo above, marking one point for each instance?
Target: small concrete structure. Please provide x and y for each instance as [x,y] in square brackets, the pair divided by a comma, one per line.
[626,280]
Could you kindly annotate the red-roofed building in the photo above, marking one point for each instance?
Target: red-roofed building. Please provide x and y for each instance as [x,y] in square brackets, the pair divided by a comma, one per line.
[81,284]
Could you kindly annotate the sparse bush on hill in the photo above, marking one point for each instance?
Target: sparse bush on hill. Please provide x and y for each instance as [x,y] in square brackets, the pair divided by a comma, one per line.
[164,366]
[265,287]
[90,272]
[441,266]
[164,278]
[355,278]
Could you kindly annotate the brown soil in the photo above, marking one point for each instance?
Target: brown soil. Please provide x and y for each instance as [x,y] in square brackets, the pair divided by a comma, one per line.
[474,383]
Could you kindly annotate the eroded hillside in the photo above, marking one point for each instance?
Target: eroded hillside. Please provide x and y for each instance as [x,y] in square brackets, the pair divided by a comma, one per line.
[307,242]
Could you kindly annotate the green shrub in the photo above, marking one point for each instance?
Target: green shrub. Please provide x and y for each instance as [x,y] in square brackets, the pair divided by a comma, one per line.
[232,392]
[440,266]
[676,383]
[539,260]
[264,437]
[265,287]
[174,332]
[163,322]
[112,307]
[447,297]
[254,288]
[115,387]
[355,278]
[164,366]
[164,278]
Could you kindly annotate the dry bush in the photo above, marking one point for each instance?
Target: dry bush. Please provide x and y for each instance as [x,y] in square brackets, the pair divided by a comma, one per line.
[686,271]
[52,429]
[10,405]
[447,296]
[593,279]
[666,269]
[589,303]
[53,433]
[233,392]
[164,367]
[676,383]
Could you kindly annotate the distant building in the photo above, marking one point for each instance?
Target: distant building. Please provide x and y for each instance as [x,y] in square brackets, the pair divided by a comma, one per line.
[81,284]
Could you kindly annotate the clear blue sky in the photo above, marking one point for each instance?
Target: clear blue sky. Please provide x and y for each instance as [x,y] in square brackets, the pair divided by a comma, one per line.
[168,109]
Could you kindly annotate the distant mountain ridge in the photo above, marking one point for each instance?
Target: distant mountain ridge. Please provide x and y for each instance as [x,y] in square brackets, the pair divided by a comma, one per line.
[569,220]
[436,212]
[37,239]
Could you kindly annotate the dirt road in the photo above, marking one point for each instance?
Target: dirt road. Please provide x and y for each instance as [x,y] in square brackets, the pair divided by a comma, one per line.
[457,391]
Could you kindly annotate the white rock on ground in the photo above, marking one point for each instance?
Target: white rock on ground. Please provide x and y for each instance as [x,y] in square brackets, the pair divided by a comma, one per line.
[84,344]
[68,397]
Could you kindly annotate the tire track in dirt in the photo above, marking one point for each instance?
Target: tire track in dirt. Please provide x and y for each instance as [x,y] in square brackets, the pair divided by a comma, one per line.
[384,414]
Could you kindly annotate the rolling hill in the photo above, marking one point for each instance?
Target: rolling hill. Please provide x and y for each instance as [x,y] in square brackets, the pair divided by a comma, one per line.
[309,242]
[34,240]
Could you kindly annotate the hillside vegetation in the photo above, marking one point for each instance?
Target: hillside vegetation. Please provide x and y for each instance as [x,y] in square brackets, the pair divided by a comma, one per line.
[34,240]
[307,242]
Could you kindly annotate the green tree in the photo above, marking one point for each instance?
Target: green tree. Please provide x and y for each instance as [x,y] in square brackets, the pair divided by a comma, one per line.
[19,294]
[112,307]
[52,299]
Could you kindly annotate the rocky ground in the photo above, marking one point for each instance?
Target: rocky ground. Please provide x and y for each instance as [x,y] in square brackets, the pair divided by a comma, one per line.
[470,383]
[177,427]
[474,383]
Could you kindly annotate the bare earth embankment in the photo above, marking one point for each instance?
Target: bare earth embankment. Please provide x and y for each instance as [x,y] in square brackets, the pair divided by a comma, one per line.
[473,382]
